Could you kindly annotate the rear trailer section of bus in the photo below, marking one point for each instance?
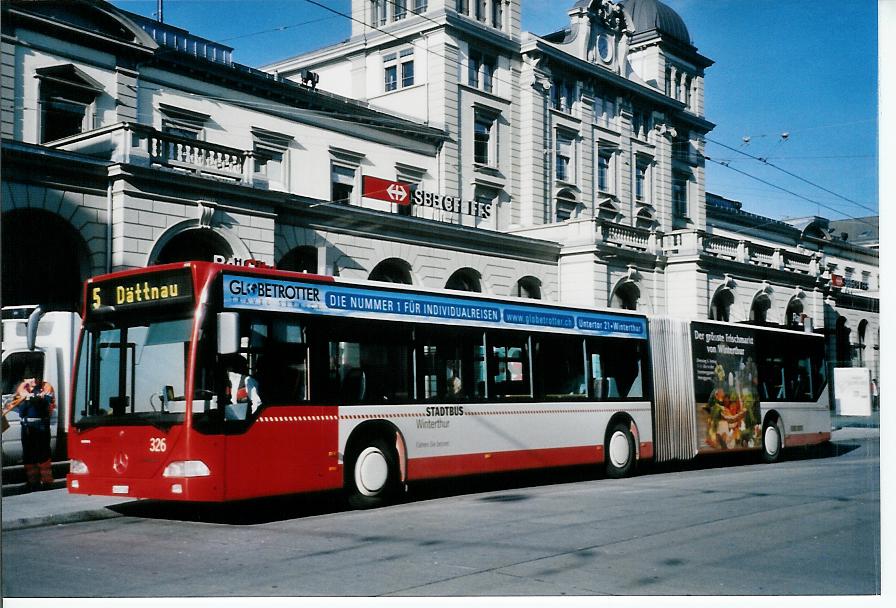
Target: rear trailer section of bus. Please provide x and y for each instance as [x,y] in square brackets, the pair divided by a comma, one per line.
[130,432]
[745,388]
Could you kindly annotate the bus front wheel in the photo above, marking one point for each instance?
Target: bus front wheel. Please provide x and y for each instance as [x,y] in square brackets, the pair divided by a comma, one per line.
[620,451]
[373,475]
[771,442]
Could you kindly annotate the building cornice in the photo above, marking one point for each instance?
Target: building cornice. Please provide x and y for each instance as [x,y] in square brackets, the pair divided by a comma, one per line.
[675,107]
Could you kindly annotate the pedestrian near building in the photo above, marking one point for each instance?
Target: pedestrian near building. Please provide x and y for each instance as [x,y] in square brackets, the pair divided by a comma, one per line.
[35,401]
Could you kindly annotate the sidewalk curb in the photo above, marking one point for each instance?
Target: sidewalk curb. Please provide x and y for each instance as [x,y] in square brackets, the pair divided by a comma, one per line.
[59,519]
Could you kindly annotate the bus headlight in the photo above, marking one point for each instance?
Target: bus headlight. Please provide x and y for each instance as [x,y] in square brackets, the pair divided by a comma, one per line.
[186,468]
[78,467]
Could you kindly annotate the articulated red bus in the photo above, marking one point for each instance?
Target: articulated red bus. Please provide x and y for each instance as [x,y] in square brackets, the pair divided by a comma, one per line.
[208,382]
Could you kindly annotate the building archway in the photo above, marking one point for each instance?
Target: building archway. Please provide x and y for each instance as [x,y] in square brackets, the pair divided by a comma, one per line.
[794,315]
[720,307]
[760,307]
[843,348]
[300,259]
[625,296]
[392,270]
[528,287]
[45,260]
[189,240]
[860,346]
[194,244]
[465,279]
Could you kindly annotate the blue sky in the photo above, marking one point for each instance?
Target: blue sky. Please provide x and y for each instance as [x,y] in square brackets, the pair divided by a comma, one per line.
[807,68]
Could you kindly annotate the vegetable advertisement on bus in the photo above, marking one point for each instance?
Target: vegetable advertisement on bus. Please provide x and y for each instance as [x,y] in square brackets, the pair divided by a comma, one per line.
[725,382]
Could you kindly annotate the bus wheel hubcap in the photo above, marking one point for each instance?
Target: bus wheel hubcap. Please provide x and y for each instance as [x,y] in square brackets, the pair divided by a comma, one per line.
[771,440]
[619,449]
[371,471]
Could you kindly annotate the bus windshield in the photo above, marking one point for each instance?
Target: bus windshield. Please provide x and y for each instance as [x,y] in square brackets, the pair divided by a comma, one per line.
[133,373]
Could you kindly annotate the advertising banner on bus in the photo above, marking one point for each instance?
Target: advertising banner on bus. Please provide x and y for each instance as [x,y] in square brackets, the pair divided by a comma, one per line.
[262,293]
[725,382]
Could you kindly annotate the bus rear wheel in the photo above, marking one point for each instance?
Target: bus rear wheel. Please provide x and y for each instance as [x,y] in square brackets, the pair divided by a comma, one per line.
[771,442]
[372,476]
[620,451]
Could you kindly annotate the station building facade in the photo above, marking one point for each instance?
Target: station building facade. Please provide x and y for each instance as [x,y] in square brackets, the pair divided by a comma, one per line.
[567,167]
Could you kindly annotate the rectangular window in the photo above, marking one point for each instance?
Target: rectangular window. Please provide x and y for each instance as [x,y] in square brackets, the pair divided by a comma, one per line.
[488,70]
[640,180]
[564,158]
[463,6]
[563,95]
[604,166]
[679,196]
[407,73]
[480,10]
[420,6]
[269,164]
[343,183]
[497,14]
[391,78]
[483,140]
[641,124]
[395,65]
[401,9]
[475,62]
[480,71]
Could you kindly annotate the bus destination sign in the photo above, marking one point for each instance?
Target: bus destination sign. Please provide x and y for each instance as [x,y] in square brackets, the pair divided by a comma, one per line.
[256,293]
[139,291]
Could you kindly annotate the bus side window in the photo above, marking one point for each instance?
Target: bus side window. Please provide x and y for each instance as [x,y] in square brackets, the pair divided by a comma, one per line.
[509,365]
[369,362]
[559,368]
[616,368]
[450,365]
[597,379]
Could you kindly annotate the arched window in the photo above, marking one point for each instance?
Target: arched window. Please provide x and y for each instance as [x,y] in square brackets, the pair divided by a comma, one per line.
[195,244]
[567,206]
[465,279]
[626,296]
[300,259]
[644,218]
[842,345]
[860,351]
[528,287]
[794,315]
[720,308]
[392,270]
[759,310]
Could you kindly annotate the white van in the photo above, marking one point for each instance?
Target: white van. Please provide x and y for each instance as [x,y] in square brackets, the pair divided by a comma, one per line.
[36,341]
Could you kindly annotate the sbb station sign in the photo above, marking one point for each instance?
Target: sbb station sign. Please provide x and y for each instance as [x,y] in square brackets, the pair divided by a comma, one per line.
[401,193]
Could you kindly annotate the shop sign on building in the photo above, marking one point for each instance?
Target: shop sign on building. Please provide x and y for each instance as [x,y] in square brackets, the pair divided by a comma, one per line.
[842,282]
[401,193]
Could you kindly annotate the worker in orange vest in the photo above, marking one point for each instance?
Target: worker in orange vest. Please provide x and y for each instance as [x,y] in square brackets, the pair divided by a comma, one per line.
[35,401]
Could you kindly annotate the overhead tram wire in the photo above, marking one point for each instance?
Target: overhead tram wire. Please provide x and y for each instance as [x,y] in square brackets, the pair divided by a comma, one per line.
[282,28]
[805,198]
[793,175]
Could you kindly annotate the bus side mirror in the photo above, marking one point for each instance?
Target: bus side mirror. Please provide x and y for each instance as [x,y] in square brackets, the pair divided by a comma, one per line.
[228,332]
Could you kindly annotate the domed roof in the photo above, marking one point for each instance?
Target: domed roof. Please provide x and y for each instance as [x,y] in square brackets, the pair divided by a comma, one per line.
[646,16]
